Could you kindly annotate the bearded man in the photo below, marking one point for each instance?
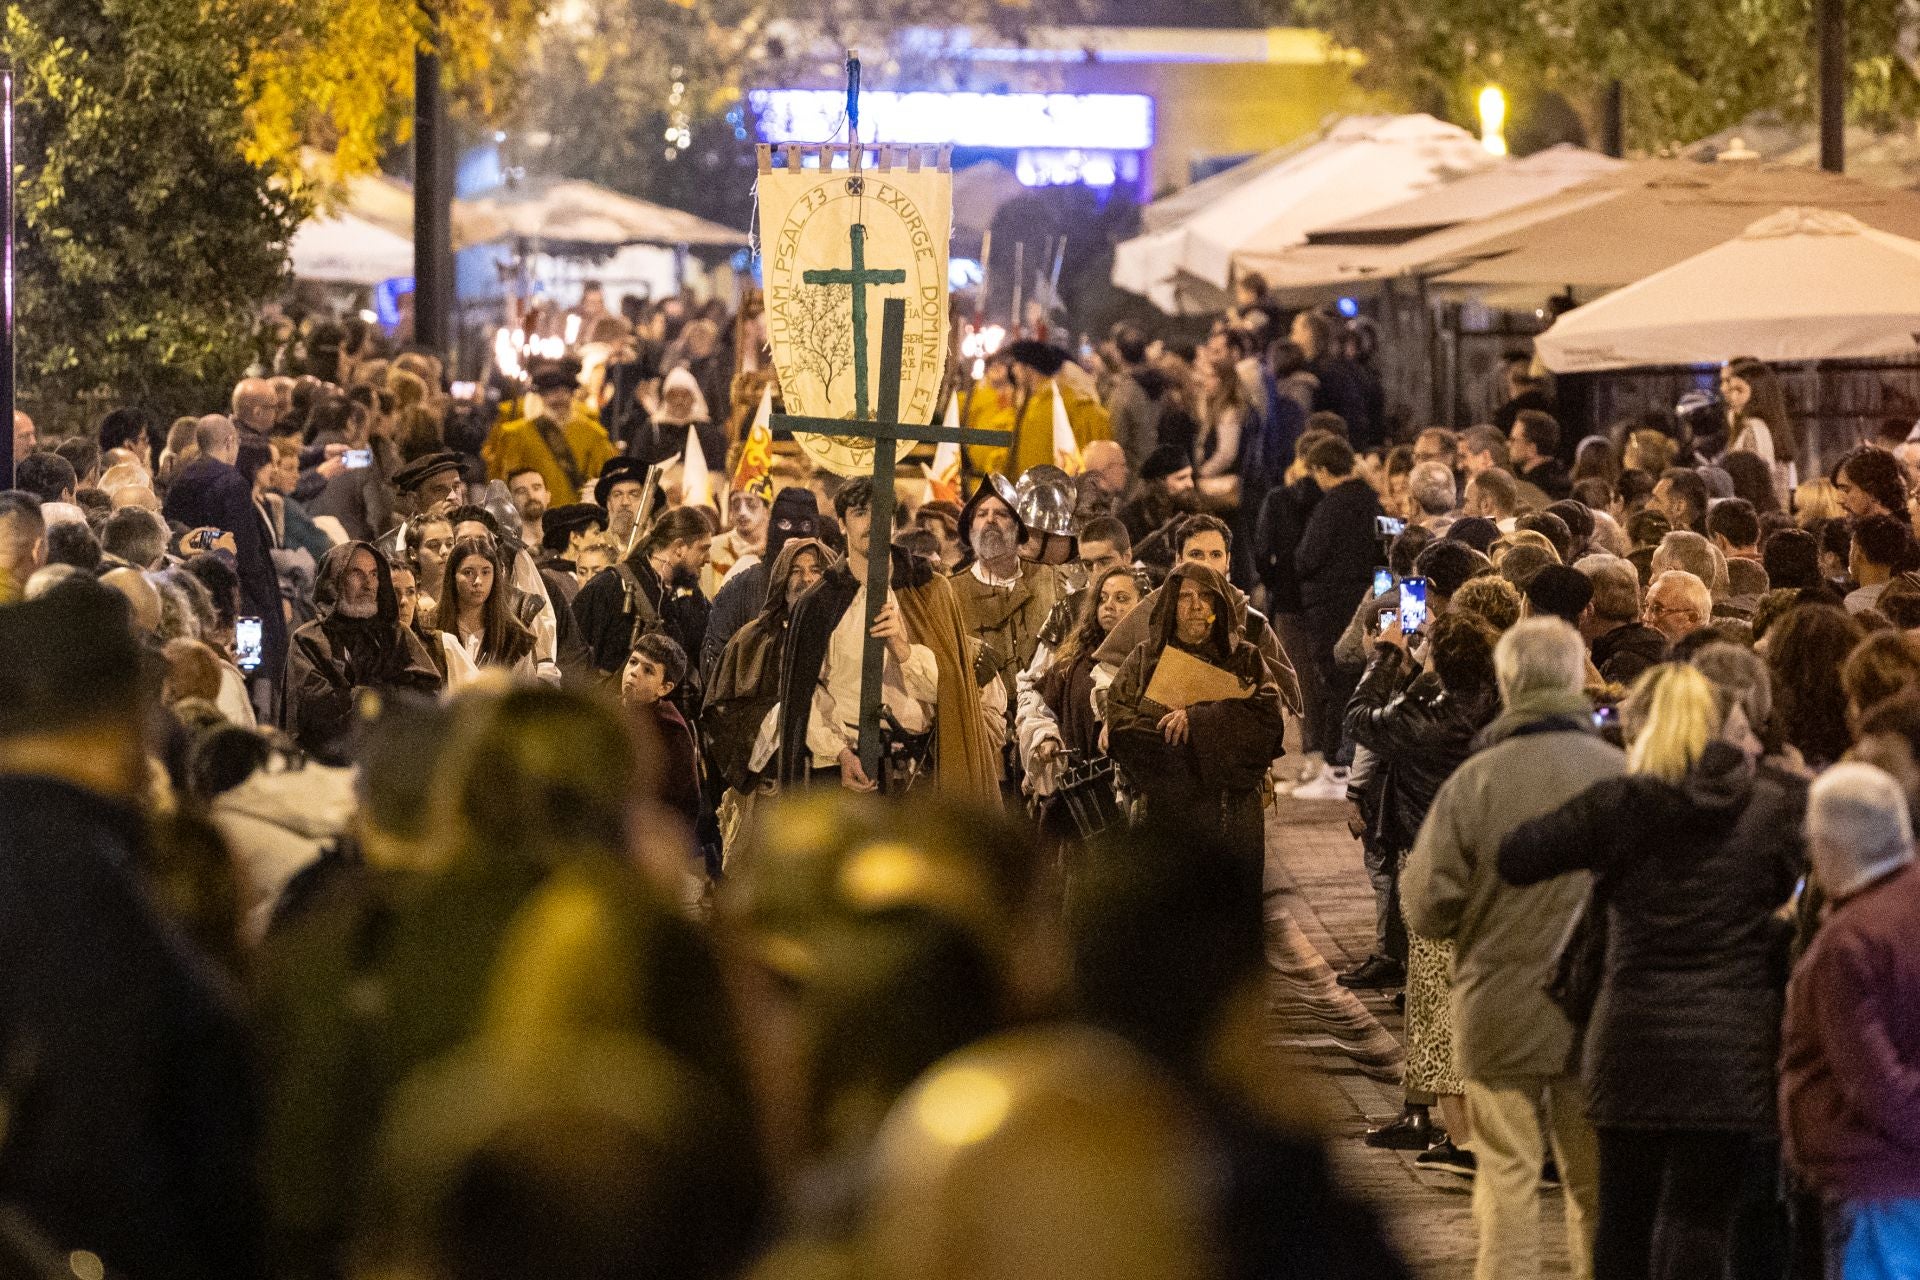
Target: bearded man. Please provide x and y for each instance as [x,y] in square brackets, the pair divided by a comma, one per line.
[355,642]
[1006,600]
[618,492]
[656,588]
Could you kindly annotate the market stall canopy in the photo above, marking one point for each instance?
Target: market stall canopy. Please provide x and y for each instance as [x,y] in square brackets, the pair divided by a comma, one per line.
[346,249]
[1884,157]
[1801,284]
[387,203]
[1655,213]
[1356,166]
[1405,237]
[575,212]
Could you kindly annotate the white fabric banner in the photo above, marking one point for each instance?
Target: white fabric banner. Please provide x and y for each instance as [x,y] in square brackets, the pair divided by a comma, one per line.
[806,222]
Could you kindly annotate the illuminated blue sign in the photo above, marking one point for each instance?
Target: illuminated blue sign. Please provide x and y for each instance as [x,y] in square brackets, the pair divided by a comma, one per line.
[1010,121]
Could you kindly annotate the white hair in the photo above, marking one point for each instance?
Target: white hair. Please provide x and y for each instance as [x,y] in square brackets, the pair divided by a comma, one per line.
[1684,549]
[1539,655]
[1857,824]
[1698,597]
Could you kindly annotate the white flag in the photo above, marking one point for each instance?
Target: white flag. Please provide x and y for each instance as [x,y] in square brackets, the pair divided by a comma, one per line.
[943,473]
[696,482]
[1066,450]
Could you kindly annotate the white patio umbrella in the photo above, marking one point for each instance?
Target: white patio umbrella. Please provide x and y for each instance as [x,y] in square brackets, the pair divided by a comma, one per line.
[1359,165]
[1801,284]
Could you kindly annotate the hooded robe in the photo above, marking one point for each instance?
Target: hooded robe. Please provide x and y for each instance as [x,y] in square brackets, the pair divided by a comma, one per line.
[333,657]
[1212,782]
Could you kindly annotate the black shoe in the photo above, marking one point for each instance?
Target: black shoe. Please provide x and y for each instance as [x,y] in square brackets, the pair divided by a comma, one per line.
[1413,1131]
[1444,1157]
[1399,1002]
[1377,973]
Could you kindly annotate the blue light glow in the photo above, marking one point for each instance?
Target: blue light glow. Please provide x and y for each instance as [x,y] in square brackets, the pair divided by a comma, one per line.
[1349,307]
[1087,121]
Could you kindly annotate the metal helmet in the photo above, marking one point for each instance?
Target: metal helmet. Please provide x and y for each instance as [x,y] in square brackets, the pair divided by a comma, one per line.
[1046,501]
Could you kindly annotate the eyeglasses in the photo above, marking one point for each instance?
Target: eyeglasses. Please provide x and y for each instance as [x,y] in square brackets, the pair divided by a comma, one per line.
[1656,610]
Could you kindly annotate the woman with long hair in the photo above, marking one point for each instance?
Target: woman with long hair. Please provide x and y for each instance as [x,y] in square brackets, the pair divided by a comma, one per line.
[1806,651]
[1752,479]
[1596,459]
[475,617]
[428,542]
[1757,418]
[1225,412]
[1692,851]
[1816,501]
[1055,718]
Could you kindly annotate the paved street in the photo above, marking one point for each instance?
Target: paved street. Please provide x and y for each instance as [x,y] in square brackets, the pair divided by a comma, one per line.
[1347,1048]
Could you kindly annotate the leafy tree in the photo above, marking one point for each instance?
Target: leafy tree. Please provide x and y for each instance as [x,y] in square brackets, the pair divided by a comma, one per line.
[647,96]
[147,239]
[338,74]
[1687,67]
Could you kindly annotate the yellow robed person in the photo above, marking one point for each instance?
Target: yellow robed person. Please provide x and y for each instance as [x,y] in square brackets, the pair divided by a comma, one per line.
[1036,369]
[562,441]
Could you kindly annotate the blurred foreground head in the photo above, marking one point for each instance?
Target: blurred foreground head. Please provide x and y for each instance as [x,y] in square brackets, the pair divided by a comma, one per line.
[871,939]
[1039,1154]
[534,773]
[76,690]
[600,1159]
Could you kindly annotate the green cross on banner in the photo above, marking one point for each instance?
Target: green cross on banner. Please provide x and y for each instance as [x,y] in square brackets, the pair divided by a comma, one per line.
[886,433]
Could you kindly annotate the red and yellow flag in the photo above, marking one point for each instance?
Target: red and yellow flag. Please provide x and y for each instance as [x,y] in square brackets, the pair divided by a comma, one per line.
[754,474]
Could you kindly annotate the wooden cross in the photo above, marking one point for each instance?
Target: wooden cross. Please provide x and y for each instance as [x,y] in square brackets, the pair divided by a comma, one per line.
[886,433]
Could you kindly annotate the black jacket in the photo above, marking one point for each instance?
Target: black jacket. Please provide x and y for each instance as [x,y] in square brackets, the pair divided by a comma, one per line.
[210,494]
[132,1112]
[1551,477]
[611,618]
[1282,523]
[1623,653]
[1686,1031]
[1337,554]
[1418,732]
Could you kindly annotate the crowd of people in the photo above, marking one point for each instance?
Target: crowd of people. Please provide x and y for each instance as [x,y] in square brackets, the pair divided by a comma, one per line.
[442,841]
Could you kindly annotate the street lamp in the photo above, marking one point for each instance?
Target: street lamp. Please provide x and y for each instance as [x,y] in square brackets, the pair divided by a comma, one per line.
[1493,120]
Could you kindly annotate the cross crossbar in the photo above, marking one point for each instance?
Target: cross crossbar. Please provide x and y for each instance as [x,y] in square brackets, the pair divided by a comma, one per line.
[899,432]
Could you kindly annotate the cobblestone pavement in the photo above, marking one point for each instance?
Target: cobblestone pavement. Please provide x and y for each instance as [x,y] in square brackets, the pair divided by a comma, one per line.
[1346,1047]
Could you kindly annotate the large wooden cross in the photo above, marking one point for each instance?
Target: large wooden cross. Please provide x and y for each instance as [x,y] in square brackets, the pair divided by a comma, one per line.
[887,433]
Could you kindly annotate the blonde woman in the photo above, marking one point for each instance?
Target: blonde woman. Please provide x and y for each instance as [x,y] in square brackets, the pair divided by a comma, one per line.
[1816,501]
[1692,852]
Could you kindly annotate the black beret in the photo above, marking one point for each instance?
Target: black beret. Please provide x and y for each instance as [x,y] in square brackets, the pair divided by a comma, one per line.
[1477,532]
[562,522]
[1561,591]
